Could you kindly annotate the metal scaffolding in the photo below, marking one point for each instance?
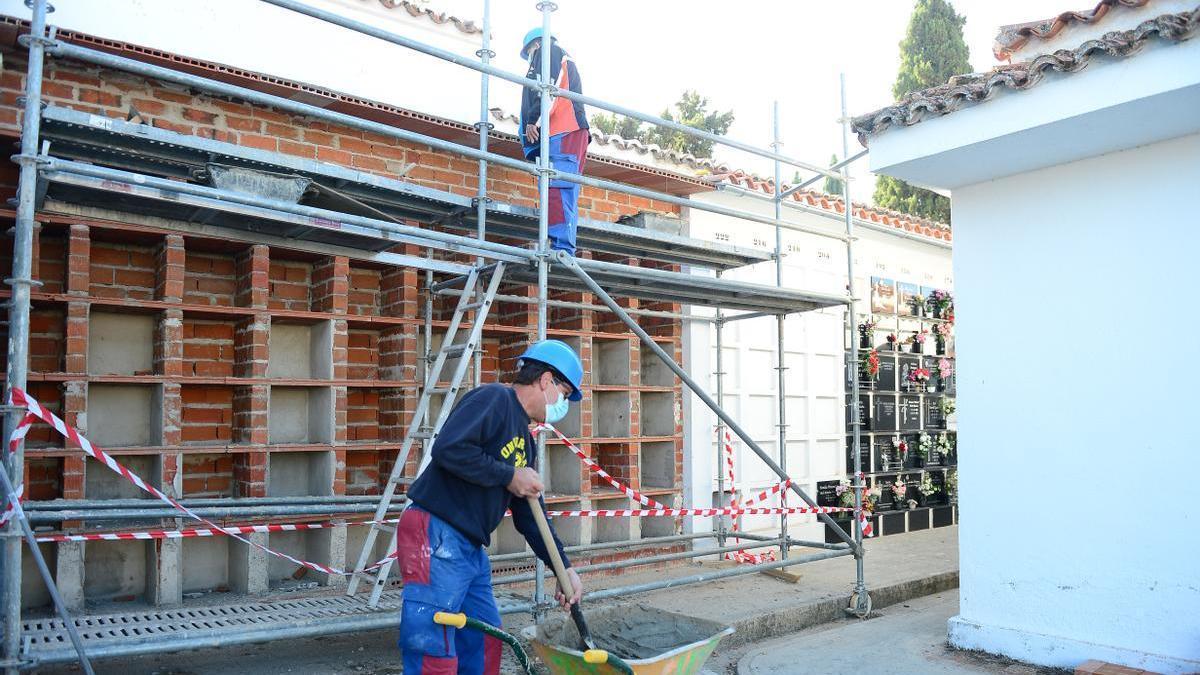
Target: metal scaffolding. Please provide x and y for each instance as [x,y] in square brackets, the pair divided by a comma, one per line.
[122,168]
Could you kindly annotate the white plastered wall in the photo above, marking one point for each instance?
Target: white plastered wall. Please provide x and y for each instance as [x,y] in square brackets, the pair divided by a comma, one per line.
[814,347]
[1078,540]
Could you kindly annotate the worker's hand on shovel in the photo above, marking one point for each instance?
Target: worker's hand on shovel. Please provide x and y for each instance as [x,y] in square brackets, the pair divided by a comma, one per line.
[526,483]
[576,591]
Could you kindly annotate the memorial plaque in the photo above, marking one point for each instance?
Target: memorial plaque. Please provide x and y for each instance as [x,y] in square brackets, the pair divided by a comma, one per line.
[907,364]
[864,454]
[884,418]
[887,454]
[887,500]
[952,460]
[913,459]
[908,413]
[887,379]
[933,413]
[935,458]
[883,296]
[863,417]
[827,492]
[938,478]
[906,301]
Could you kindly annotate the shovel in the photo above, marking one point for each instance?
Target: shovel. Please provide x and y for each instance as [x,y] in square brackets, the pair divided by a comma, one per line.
[561,572]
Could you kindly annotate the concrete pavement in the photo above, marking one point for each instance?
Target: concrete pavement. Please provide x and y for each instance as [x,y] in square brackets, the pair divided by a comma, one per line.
[905,638]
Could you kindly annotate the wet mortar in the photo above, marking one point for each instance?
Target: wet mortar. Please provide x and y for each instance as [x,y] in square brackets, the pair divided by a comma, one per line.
[632,631]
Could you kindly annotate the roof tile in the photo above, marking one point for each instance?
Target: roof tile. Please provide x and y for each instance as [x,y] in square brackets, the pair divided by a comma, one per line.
[965,90]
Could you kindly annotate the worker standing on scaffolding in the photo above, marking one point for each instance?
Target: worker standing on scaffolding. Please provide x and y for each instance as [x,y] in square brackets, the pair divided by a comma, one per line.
[481,465]
[569,135]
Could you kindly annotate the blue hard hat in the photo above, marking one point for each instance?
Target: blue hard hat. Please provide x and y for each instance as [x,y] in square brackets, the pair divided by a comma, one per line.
[533,34]
[559,356]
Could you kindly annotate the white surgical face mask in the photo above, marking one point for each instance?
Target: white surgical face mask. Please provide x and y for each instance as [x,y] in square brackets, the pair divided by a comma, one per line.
[557,410]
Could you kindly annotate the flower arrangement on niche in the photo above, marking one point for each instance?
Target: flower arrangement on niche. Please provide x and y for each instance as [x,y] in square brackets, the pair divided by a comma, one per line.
[919,378]
[945,368]
[947,406]
[952,485]
[870,365]
[942,445]
[941,333]
[918,341]
[924,445]
[927,488]
[845,494]
[940,304]
[892,340]
[918,304]
[899,489]
[866,334]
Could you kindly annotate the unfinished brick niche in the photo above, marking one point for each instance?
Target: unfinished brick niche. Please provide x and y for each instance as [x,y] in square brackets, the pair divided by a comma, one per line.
[218,369]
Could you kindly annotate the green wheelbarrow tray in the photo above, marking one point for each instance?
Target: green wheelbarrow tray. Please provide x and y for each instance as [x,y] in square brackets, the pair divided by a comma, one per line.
[651,641]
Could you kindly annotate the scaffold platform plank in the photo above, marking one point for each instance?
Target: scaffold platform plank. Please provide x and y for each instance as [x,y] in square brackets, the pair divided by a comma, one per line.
[144,149]
[167,199]
[152,630]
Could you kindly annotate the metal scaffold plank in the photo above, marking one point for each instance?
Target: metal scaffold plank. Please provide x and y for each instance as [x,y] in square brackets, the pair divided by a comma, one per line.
[145,149]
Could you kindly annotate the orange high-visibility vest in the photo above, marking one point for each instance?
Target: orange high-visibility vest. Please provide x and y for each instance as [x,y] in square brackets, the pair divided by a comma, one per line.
[562,111]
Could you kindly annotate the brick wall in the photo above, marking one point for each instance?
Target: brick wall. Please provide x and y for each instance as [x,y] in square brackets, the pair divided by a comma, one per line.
[215,300]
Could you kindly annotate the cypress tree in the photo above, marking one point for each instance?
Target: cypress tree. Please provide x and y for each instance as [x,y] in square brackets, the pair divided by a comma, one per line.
[932,51]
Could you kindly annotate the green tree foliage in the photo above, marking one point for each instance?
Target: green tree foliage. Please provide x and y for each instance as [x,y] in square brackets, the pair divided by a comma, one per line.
[691,110]
[833,186]
[932,51]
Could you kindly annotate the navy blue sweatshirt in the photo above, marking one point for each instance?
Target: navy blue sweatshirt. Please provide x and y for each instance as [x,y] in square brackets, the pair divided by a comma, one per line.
[485,439]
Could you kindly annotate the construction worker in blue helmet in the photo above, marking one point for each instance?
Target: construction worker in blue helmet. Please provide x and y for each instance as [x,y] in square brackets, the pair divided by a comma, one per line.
[569,134]
[482,464]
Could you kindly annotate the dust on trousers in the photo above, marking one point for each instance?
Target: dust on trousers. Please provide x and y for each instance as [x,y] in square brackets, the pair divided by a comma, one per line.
[444,572]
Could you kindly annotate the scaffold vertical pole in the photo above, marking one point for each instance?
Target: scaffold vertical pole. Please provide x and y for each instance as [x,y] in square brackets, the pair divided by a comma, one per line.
[545,7]
[780,368]
[862,601]
[721,449]
[485,126]
[18,317]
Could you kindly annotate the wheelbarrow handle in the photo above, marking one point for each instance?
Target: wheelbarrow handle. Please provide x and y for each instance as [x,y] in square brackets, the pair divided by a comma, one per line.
[599,656]
[460,620]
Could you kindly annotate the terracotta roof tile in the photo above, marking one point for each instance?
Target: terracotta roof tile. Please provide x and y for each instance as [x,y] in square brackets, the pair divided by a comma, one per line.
[717,173]
[1015,36]
[834,204]
[965,90]
[440,18]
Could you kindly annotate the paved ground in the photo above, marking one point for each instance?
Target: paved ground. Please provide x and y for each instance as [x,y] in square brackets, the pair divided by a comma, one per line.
[905,638]
[760,607]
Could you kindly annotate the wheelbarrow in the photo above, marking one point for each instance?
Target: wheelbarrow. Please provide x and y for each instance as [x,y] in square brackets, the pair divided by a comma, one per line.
[644,641]
[591,656]
[637,639]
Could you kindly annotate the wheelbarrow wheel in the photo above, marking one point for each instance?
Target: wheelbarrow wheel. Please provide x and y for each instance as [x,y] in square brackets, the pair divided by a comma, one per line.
[860,607]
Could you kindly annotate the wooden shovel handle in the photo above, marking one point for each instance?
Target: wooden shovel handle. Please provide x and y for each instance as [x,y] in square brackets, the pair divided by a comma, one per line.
[560,571]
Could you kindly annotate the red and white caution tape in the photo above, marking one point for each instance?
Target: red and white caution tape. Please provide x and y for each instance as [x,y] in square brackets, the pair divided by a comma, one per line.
[19,433]
[26,401]
[587,461]
[205,532]
[728,445]
[774,489]
[707,513]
